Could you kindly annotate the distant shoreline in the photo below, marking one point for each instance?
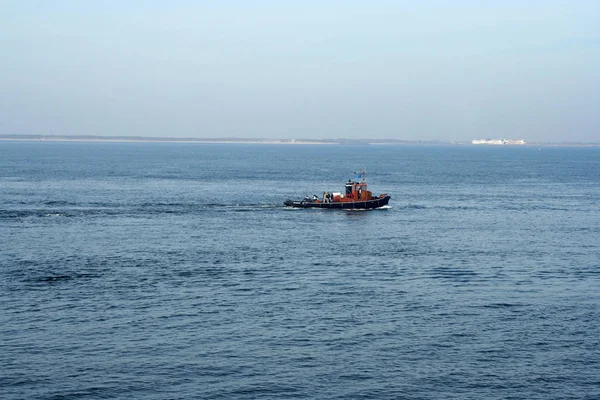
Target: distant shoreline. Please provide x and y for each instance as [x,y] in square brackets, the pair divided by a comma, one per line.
[158,140]
[143,139]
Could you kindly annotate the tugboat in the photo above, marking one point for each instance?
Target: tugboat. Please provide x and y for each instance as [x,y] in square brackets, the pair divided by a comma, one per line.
[356,196]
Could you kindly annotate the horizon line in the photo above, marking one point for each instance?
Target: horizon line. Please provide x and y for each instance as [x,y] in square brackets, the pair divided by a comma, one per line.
[233,140]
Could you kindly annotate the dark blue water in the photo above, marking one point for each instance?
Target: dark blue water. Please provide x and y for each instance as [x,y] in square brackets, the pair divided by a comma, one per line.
[172,271]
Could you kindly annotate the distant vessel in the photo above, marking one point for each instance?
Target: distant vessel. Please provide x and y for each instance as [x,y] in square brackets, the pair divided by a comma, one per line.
[498,141]
[356,196]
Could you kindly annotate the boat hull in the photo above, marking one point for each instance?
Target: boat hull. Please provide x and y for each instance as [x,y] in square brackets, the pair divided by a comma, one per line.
[346,205]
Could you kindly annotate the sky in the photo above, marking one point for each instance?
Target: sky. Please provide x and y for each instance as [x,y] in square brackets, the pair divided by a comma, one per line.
[407,70]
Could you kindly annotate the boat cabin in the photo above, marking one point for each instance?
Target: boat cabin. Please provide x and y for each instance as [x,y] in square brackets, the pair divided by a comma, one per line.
[356,191]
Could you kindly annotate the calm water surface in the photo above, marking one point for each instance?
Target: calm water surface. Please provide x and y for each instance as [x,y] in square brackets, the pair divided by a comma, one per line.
[173,271]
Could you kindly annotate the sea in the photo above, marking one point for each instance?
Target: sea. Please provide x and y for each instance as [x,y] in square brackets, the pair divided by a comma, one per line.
[174,271]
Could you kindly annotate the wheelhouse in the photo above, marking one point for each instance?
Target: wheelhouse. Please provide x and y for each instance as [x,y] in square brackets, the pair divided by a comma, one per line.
[357,191]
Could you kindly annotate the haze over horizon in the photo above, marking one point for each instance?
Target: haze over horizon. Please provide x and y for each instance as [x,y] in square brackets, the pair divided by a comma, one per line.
[316,70]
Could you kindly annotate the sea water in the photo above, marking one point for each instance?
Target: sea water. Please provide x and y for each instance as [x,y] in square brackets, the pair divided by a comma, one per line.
[173,271]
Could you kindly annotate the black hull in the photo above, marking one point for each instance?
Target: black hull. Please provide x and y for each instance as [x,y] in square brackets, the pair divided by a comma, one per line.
[350,205]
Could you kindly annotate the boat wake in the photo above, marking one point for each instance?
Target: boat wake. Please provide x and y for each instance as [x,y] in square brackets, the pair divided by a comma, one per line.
[243,207]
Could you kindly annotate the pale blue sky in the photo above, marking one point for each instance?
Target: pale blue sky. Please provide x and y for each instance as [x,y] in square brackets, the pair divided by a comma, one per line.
[433,70]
